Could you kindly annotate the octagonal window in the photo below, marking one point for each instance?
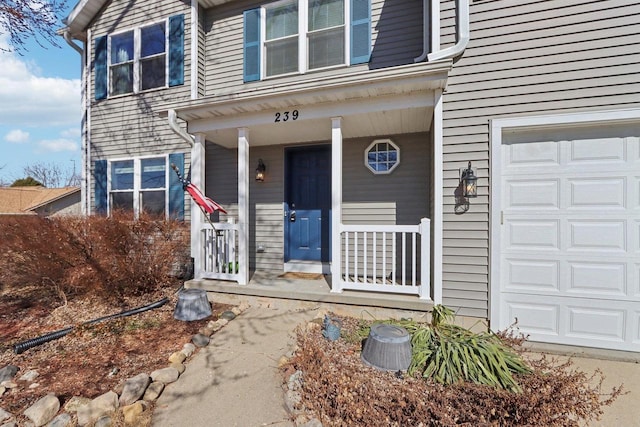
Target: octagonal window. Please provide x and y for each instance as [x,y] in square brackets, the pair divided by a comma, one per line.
[382,156]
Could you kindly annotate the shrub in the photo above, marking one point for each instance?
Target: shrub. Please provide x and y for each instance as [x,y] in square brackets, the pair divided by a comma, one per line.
[79,255]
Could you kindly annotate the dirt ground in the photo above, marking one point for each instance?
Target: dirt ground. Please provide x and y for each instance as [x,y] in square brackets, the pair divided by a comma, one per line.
[92,359]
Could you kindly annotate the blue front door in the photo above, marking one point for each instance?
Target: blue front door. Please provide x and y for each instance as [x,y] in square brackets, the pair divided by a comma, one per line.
[308,203]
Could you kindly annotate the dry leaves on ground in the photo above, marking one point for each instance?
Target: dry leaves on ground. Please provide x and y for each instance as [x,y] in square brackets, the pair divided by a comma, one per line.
[91,360]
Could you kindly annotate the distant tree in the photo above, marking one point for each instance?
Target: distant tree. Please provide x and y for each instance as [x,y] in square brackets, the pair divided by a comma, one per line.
[52,175]
[26,182]
[24,19]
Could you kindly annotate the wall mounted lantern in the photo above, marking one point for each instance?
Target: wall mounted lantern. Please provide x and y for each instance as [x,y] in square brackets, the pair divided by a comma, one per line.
[260,170]
[469,182]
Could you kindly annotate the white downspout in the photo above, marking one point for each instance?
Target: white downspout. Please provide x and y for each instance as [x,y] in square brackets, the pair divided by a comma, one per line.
[173,124]
[84,199]
[462,34]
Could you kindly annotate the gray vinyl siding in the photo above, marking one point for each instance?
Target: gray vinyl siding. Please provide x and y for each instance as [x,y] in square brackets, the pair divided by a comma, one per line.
[396,40]
[202,53]
[524,58]
[128,125]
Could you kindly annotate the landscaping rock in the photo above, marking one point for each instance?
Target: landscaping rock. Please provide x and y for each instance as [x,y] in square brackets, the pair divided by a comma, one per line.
[44,410]
[188,349]
[2,390]
[243,306]
[62,420]
[228,315]
[33,386]
[206,331]
[132,412]
[104,421]
[30,375]
[8,372]
[165,375]
[153,391]
[236,311]
[200,340]
[75,402]
[134,389]
[4,415]
[177,357]
[179,367]
[101,405]
[8,384]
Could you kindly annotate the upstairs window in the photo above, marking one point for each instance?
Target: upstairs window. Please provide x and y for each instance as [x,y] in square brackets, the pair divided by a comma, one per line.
[144,58]
[296,36]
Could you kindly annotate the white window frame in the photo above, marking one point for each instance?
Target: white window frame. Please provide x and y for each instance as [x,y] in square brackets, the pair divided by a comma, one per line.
[137,44]
[303,38]
[372,145]
[137,185]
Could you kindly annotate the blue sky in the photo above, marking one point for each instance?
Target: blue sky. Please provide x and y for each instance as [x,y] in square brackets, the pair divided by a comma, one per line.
[39,108]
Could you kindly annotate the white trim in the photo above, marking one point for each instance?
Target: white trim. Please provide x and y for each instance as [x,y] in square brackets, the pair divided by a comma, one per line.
[86,76]
[195,33]
[496,130]
[197,222]
[336,202]
[438,199]
[243,205]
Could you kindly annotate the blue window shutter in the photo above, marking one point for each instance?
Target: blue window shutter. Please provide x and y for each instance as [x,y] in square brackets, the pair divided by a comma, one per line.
[252,45]
[176,50]
[176,192]
[100,68]
[100,186]
[360,31]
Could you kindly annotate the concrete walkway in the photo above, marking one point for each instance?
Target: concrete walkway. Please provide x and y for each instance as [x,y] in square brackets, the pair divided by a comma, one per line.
[235,381]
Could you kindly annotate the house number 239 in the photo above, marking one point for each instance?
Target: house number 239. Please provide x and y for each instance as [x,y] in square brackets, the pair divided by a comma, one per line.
[286,116]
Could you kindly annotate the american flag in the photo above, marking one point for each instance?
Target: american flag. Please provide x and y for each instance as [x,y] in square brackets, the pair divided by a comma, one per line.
[208,205]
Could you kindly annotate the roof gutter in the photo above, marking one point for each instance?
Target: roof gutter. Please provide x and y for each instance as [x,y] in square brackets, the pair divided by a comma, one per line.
[462,33]
[175,127]
[67,37]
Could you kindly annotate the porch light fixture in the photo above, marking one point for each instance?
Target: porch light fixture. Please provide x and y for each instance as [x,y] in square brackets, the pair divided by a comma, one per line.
[260,170]
[469,182]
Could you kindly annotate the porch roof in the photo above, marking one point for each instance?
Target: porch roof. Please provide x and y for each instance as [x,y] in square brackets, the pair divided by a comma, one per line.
[372,102]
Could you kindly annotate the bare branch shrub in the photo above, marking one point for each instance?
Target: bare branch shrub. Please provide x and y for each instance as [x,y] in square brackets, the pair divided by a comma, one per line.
[340,390]
[91,255]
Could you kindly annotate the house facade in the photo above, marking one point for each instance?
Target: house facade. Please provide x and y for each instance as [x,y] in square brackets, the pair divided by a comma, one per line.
[335,134]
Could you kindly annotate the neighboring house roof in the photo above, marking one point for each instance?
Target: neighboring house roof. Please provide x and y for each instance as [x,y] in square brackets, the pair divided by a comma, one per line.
[26,200]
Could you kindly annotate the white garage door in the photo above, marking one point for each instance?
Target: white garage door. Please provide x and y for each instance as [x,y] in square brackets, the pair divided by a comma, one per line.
[570,235]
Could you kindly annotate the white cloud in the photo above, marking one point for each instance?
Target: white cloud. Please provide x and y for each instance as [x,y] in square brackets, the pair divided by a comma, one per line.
[57,145]
[27,99]
[71,133]
[17,136]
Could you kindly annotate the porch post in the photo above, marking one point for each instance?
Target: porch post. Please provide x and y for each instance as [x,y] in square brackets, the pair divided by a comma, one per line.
[243,205]
[437,220]
[336,203]
[198,179]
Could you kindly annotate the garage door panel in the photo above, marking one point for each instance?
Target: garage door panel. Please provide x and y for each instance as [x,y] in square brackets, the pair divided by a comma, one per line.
[535,318]
[531,275]
[598,151]
[570,235]
[545,153]
[598,278]
[597,193]
[539,235]
[600,236]
[596,323]
[533,194]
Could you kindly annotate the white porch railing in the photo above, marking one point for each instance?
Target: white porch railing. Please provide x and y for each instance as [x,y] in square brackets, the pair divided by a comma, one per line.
[387,258]
[219,256]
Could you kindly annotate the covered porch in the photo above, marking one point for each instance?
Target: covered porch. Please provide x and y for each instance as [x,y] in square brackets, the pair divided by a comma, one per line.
[383,258]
